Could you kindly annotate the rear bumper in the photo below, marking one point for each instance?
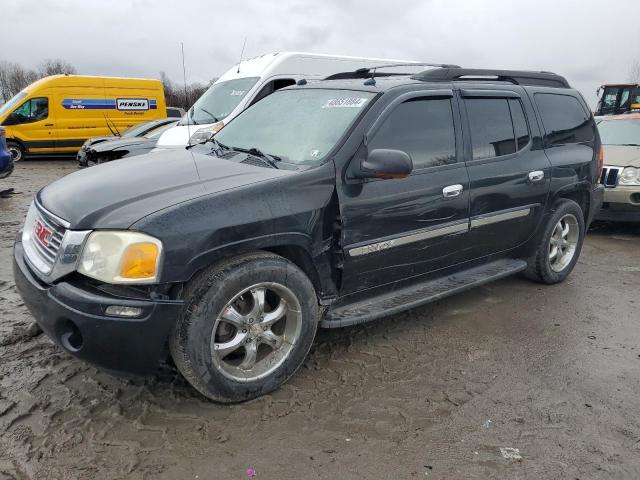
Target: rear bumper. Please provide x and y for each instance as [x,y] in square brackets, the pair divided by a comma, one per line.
[621,204]
[74,318]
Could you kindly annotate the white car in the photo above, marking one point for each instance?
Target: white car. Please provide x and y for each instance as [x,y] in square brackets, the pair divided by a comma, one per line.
[250,81]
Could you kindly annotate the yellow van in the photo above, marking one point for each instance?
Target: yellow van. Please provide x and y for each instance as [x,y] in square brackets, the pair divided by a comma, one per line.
[56,114]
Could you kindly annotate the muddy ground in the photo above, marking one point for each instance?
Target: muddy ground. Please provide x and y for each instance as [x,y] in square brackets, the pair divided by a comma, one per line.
[435,392]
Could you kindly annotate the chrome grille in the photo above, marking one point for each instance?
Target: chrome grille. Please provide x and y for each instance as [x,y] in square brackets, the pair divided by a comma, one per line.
[43,238]
[609,177]
[49,252]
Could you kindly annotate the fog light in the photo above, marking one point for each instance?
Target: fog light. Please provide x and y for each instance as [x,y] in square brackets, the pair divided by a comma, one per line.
[121,311]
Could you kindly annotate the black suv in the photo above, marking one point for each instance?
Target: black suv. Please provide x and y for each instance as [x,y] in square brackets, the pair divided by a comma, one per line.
[328,203]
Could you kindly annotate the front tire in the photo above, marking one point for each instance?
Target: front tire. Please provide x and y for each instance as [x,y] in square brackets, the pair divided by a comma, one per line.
[16,150]
[247,325]
[560,245]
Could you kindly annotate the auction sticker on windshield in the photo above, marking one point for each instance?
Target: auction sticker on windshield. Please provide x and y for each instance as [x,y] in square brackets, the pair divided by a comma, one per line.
[348,102]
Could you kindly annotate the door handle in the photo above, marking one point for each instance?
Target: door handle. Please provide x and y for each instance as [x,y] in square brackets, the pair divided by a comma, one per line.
[536,176]
[48,124]
[452,191]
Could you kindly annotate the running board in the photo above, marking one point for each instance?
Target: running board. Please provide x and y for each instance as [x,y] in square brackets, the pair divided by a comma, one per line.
[414,296]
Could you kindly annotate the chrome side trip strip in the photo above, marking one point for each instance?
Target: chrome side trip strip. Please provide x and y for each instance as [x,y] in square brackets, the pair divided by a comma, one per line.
[500,217]
[460,227]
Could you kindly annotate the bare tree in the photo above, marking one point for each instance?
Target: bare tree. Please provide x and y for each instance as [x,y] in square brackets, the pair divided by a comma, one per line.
[634,72]
[178,95]
[14,77]
[55,66]
[5,91]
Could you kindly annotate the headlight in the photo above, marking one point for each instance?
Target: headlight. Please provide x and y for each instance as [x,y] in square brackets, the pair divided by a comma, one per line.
[629,176]
[121,257]
[204,134]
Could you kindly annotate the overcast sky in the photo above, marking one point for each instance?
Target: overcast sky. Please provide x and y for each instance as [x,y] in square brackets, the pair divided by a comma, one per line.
[589,41]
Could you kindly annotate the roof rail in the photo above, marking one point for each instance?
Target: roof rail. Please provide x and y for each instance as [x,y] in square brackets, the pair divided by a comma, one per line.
[371,72]
[517,77]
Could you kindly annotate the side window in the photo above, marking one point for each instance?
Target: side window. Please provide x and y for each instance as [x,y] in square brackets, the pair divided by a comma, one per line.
[272,86]
[624,98]
[31,111]
[520,127]
[423,128]
[610,97]
[564,119]
[491,127]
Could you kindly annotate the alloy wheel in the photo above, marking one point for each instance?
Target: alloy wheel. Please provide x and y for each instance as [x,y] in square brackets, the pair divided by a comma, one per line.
[563,242]
[256,331]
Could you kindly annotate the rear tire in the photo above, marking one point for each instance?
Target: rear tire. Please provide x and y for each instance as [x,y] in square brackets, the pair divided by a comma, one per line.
[247,325]
[560,245]
[16,150]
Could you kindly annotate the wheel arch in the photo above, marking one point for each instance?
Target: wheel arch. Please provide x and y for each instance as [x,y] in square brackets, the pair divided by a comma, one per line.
[18,141]
[294,247]
[579,193]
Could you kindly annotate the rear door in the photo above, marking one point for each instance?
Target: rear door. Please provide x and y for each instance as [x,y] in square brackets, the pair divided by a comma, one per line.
[397,229]
[508,169]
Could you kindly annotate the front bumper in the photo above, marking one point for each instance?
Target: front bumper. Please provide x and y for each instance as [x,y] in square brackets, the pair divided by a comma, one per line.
[595,203]
[73,317]
[82,158]
[621,204]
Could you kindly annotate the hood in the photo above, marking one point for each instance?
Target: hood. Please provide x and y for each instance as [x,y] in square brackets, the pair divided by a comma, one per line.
[95,140]
[179,135]
[622,156]
[118,193]
[120,143]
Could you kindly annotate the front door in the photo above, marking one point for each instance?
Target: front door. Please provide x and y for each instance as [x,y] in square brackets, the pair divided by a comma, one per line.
[33,124]
[509,172]
[397,229]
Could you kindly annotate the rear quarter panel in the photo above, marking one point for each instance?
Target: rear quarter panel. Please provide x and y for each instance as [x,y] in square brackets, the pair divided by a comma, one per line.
[574,166]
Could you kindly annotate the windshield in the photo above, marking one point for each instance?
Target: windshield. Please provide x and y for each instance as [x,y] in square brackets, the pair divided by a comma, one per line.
[219,101]
[7,107]
[300,126]
[620,132]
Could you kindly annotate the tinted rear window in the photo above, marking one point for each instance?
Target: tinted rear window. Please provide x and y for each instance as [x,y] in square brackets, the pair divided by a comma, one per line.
[564,118]
[491,127]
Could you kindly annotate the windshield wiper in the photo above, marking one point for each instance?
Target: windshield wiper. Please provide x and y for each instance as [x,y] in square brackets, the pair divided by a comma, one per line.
[213,117]
[630,144]
[270,159]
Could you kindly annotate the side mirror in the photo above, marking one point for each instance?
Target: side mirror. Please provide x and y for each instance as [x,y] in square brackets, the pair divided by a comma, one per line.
[385,163]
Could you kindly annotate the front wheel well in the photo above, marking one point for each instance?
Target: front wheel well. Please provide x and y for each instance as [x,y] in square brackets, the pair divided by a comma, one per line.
[17,142]
[301,258]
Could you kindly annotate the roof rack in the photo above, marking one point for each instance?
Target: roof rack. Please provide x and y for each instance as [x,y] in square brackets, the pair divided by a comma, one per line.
[371,72]
[517,77]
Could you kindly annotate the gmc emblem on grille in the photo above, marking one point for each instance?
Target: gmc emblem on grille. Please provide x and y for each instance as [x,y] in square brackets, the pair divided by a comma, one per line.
[43,233]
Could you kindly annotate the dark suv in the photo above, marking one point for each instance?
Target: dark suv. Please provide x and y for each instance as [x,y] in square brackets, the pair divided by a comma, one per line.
[328,203]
